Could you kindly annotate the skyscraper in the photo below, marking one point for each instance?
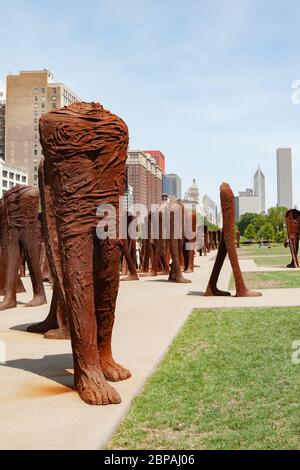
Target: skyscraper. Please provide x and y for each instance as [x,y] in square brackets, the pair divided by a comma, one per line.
[172,185]
[259,189]
[28,96]
[145,177]
[2,122]
[159,157]
[284,177]
[209,209]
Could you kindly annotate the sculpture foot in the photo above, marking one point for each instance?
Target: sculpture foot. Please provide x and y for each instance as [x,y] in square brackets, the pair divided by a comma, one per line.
[41,327]
[189,270]
[248,293]
[8,304]
[131,277]
[114,372]
[292,265]
[179,280]
[59,333]
[36,301]
[94,390]
[215,292]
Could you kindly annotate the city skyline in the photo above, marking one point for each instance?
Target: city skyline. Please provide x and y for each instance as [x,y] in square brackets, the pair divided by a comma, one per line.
[228,105]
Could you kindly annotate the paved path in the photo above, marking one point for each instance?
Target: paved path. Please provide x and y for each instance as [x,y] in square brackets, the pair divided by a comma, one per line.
[39,409]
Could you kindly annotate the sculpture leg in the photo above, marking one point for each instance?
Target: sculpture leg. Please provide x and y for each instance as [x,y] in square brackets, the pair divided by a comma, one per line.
[175,248]
[158,245]
[30,243]
[79,285]
[106,259]
[55,326]
[189,255]
[12,260]
[212,289]
[294,244]
[228,210]
[175,273]
[133,276]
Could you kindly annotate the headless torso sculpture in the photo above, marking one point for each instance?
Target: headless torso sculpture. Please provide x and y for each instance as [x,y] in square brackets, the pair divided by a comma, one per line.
[85,150]
[20,230]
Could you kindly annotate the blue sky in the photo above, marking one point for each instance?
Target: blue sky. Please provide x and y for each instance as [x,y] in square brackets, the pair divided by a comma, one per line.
[208,83]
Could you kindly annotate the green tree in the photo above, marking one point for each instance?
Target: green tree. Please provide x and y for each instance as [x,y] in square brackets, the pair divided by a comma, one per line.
[250,233]
[280,236]
[258,221]
[276,217]
[245,220]
[267,232]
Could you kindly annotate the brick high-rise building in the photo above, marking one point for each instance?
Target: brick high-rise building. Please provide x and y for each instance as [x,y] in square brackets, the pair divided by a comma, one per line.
[28,96]
[145,177]
[2,122]
[2,130]
[172,185]
[159,157]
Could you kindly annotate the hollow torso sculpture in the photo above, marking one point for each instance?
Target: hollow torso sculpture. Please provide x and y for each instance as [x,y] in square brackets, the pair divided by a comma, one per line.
[85,150]
[20,231]
[292,218]
[227,245]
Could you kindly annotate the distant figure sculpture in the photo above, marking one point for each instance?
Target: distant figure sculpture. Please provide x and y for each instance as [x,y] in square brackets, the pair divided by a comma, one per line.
[85,149]
[19,284]
[238,238]
[168,243]
[292,218]
[20,230]
[227,245]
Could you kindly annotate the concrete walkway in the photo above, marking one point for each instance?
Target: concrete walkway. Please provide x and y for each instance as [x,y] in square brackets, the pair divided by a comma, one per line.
[39,409]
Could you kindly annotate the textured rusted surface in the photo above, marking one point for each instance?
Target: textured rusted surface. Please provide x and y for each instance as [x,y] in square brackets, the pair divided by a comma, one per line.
[85,149]
[227,245]
[128,246]
[20,233]
[3,250]
[238,238]
[292,218]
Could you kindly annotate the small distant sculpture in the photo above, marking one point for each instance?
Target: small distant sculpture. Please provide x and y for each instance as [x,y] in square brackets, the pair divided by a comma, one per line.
[129,251]
[292,218]
[168,244]
[238,238]
[20,231]
[85,149]
[19,284]
[227,245]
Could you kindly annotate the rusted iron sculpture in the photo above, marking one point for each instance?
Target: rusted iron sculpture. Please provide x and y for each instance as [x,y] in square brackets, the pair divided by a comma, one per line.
[85,149]
[19,285]
[227,245]
[20,231]
[238,238]
[292,218]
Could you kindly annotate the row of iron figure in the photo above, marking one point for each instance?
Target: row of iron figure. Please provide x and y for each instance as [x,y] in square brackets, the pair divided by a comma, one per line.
[85,150]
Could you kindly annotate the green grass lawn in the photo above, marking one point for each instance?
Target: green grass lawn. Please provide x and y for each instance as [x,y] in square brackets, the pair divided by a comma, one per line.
[251,250]
[280,261]
[269,280]
[227,382]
